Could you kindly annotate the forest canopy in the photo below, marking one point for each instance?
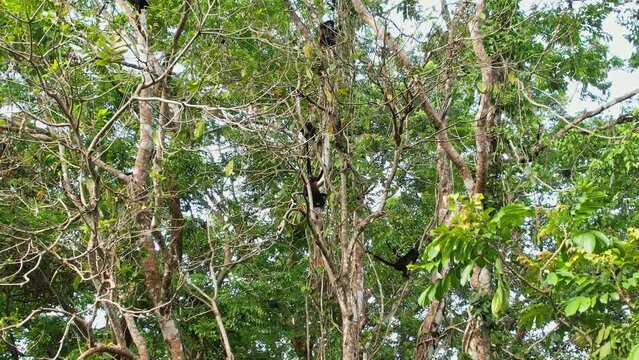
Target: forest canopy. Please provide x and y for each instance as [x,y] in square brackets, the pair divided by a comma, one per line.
[319,179]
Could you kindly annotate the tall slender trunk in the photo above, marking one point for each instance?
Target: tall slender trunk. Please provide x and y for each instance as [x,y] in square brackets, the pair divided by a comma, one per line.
[140,195]
[351,301]
[431,328]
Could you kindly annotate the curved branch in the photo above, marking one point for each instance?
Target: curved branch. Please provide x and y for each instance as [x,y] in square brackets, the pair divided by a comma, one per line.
[102,348]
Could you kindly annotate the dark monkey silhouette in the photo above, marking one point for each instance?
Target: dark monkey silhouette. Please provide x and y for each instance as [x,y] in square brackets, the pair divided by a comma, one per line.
[139,4]
[328,33]
[402,263]
[318,197]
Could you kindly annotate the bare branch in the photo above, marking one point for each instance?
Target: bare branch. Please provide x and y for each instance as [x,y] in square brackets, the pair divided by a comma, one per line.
[579,119]
[442,136]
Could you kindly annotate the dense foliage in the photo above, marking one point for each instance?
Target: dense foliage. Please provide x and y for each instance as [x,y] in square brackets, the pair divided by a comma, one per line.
[154,184]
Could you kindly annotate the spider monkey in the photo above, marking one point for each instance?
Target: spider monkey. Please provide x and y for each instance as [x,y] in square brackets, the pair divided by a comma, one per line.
[327,33]
[401,264]
[318,197]
[139,4]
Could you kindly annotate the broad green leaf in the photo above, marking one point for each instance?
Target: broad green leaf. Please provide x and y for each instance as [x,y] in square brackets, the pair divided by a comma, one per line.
[599,235]
[430,66]
[586,240]
[497,304]
[552,279]
[572,306]
[433,251]
[512,215]
[634,353]
[422,298]
[584,304]
[605,350]
[589,244]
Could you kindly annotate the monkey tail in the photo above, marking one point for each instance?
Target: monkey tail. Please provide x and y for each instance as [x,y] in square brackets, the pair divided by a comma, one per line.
[379,258]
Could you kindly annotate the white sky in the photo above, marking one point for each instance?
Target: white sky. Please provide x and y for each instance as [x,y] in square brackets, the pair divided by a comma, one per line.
[622,81]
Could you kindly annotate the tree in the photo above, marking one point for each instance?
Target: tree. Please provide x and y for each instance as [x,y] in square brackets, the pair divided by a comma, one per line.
[155,182]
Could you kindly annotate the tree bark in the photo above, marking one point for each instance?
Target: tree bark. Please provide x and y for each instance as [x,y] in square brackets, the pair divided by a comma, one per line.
[138,339]
[140,196]
[476,340]
[431,328]
[351,301]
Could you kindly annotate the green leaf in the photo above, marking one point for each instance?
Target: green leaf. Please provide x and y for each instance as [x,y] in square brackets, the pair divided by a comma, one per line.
[77,280]
[499,266]
[584,304]
[552,279]
[634,353]
[199,130]
[589,244]
[599,235]
[572,306]
[586,240]
[465,275]
[481,87]
[500,298]
[512,215]
[605,350]
[422,298]
[430,66]
[433,251]
[228,168]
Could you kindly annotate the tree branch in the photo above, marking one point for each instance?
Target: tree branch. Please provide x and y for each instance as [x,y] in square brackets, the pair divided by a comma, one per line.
[441,133]
[102,348]
[579,119]
[301,27]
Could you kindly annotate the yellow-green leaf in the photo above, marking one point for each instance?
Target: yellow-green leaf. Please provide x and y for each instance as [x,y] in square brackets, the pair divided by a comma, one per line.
[228,168]
[308,50]
[605,350]
[500,298]
[199,130]
[499,266]
[465,275]
[482,87]
[572,306]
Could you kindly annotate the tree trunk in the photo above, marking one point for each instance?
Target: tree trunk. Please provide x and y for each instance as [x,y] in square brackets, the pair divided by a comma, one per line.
[476,341]
[430,331]
[351,301]
[140,195]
